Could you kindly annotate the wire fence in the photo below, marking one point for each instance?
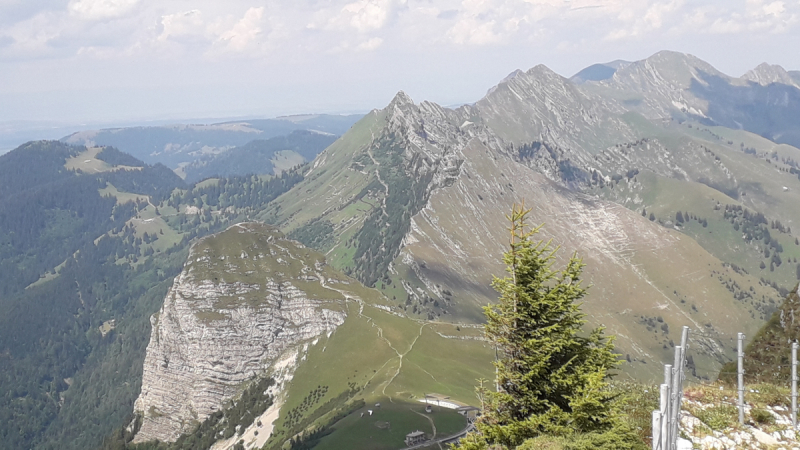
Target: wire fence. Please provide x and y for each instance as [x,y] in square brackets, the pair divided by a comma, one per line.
[666,419]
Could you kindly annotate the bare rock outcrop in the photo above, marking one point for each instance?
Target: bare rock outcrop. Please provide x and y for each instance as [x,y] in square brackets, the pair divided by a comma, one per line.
[244,297]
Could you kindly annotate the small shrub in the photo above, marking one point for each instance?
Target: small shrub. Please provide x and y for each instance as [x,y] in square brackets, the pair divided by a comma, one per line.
[762,416]
[772,395]
[615,439]
[637,402]
[718,417]
[544,443]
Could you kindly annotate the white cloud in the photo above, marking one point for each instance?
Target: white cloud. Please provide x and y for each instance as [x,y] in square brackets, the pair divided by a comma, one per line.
[244,32]
[100,9]
[367,15]
[237,27]
[658,12]
[635,19]
[178,25]
[725,26]
[750,16]
[362,16]
[472,31]
[32,38]
[370,44]
[774,8]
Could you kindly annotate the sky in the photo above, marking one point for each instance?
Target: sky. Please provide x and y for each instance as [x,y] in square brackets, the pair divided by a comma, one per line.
[104,61]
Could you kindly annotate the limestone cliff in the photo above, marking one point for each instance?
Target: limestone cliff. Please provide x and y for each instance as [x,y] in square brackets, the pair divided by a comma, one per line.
[244,297]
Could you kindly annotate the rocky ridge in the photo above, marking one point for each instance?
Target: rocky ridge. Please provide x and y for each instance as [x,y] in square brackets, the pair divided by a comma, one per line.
[244,298]
[429,223]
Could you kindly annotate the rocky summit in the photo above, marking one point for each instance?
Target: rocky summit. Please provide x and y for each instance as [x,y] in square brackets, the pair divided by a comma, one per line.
[242,299]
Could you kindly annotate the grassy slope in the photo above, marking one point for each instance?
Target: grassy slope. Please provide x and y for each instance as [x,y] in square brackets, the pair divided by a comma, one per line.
[715,157]
[633,265]
[331,182]
[393,360]
[664,197]
[387,427]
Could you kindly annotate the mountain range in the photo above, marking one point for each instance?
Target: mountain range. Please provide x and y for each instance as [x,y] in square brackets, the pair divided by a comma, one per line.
[364,272]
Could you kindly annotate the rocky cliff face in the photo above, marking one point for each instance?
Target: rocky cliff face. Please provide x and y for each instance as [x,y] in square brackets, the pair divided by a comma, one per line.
[244,298]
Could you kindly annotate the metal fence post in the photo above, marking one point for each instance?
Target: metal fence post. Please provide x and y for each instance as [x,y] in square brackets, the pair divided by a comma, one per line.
[740,373]
[657,430]
[666,408]
[676,405]
[678,391]
[664,411]
[794,385]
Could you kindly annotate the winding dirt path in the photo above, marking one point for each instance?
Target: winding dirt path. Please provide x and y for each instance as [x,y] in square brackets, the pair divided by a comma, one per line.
[433,425]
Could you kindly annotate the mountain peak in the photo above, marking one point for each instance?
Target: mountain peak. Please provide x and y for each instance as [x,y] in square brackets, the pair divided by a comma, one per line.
[678,62]
[765,74]
[400,99]
[512,75]
[507,78]
[599,72]
[540,69]
[666,70]
[538,72]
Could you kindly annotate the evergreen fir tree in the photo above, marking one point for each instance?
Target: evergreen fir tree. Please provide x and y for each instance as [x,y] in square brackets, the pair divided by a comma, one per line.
[552,378]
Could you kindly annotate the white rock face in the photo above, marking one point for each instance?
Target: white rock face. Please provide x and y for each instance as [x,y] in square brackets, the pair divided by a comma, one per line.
[212,335]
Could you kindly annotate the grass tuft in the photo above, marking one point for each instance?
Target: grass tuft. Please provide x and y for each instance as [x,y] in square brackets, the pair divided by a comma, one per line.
[718,417]
[762,416]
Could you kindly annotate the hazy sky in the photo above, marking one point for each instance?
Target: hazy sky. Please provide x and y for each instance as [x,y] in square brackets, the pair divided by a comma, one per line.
[98,60]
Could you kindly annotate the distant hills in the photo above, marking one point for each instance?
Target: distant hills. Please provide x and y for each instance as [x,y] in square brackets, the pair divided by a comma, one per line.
[261,156]
[178,145]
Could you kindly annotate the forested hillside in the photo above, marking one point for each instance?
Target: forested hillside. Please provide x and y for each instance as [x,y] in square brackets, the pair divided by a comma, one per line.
[90,240]
[261,156]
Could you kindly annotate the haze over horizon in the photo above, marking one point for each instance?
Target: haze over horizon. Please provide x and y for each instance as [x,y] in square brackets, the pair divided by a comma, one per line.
[105,61]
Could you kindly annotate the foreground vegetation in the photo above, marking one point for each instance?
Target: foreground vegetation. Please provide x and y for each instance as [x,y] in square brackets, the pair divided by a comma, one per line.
[552,380]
